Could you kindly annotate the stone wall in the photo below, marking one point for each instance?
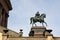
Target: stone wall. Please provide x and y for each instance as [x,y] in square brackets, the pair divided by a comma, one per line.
[56,38]
[13,33]
[34,38]
[27,38]
[10,32]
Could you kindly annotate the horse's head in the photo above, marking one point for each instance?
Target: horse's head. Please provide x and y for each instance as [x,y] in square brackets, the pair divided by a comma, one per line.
[44,15]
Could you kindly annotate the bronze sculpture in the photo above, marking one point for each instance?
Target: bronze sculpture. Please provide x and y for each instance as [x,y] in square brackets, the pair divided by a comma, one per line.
[38,18]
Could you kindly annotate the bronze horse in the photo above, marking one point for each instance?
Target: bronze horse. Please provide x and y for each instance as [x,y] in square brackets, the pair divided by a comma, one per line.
[38,18]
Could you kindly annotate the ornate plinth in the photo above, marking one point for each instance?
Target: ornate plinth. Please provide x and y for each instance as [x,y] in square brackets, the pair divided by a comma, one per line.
[39,31]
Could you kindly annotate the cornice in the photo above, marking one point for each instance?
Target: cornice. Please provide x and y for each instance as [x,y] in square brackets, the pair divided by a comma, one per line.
[8,4]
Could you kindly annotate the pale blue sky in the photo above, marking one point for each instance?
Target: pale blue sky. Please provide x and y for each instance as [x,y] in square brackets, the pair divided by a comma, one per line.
[24,9]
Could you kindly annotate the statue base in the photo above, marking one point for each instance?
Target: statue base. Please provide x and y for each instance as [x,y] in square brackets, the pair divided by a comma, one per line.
[39,31]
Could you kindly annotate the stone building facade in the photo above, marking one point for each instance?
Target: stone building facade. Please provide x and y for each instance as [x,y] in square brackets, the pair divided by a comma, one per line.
[5,7]
[36,32]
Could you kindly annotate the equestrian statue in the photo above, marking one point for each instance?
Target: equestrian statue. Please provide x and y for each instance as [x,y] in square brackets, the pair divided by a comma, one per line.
[38,18]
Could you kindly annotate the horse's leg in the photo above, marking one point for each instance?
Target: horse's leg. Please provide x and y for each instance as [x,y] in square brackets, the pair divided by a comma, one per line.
[42,24]
[32,24]
[35,24]
[45,23]
[31,21]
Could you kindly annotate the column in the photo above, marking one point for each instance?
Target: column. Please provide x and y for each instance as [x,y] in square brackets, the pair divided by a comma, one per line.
[0,14]
[2,20]
[6,19]
[0,36]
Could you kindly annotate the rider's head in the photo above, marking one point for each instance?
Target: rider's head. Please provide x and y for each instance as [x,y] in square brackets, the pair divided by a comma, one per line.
[37,14]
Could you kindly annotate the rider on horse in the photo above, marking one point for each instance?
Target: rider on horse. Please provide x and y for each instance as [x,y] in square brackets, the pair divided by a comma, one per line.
[37,15]
[38,18]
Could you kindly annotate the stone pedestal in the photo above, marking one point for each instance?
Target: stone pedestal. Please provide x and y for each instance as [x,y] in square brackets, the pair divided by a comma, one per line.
[39,31]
